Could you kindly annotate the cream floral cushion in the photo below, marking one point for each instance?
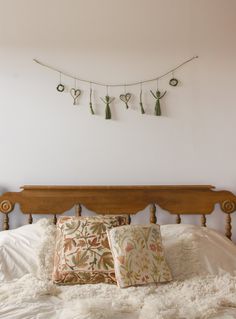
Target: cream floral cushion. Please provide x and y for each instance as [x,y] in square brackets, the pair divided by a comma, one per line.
[138,255]
[82,253]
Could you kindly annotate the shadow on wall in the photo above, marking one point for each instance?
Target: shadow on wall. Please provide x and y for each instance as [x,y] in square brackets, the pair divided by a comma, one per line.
[3,190]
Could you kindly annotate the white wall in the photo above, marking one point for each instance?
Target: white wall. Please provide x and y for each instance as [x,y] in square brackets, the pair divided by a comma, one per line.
[45,140]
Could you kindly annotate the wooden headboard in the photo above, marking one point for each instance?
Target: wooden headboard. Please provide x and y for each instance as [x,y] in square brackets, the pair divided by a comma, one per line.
[178,200]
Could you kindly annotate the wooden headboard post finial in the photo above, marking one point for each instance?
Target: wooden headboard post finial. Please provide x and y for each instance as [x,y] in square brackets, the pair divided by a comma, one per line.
[6,207]
[228,206]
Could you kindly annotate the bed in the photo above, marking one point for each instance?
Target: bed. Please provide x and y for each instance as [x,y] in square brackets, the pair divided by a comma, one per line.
[202,261]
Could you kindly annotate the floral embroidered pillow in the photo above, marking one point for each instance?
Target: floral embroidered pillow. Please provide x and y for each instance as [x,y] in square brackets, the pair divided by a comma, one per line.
[82,253]
[138,255]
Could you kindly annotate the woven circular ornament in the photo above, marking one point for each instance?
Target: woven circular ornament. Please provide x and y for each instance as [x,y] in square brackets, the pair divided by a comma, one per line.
[173,82]
[60,87]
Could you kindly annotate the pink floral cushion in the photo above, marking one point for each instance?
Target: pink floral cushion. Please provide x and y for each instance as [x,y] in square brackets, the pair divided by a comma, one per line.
[138,255]
[82,253]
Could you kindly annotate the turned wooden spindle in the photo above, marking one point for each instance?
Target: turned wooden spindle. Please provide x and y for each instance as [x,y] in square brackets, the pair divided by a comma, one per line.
[6,222]
[228,207]
[129,219]
[78,210]
[153,218]
[203,220]
[55,219]
[6,207]
[30,219]
[178,219]
[228,226]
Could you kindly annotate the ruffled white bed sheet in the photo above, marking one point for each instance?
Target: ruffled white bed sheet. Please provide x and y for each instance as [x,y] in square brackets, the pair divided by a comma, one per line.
[194,298]
[203,265]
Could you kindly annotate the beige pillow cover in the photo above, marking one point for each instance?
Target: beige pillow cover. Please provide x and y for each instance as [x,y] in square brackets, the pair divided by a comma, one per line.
[82,253]
[138,255]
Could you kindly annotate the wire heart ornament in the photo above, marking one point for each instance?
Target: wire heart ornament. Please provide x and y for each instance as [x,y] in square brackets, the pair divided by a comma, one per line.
[75,93]
[125,98]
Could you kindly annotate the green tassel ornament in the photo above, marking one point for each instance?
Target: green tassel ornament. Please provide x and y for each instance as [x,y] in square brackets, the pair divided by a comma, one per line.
[90,101]
[108,100]
[158,97]
[141,102]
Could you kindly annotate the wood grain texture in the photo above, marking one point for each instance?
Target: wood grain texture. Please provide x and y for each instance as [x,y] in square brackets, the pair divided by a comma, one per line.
[176,199]
[118,199]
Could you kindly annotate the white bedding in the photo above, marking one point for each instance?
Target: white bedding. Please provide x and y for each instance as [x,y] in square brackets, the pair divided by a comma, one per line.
[192,250]
[20,249]
[195,298]
[202,261]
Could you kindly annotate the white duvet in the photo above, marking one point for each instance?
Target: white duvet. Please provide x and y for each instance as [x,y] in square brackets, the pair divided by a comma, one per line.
[202,261]
[198,297]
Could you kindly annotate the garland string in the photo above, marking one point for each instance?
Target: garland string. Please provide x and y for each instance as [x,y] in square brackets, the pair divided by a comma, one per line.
[118,84]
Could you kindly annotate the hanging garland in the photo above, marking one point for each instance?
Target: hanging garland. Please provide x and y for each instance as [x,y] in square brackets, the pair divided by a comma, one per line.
[125,97]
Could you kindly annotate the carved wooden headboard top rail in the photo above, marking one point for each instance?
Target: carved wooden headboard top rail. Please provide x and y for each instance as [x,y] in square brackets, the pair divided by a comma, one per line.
[176,199]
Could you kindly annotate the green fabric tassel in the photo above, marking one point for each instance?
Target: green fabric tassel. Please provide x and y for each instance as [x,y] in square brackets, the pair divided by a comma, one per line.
[90,100]
[141,101]
[108,112]
[108,100]
[91,108]
[158,108]
[158,97]
[142,109]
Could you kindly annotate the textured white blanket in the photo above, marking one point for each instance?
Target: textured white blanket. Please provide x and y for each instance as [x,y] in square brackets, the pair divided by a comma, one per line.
[195,298]
[191,252]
